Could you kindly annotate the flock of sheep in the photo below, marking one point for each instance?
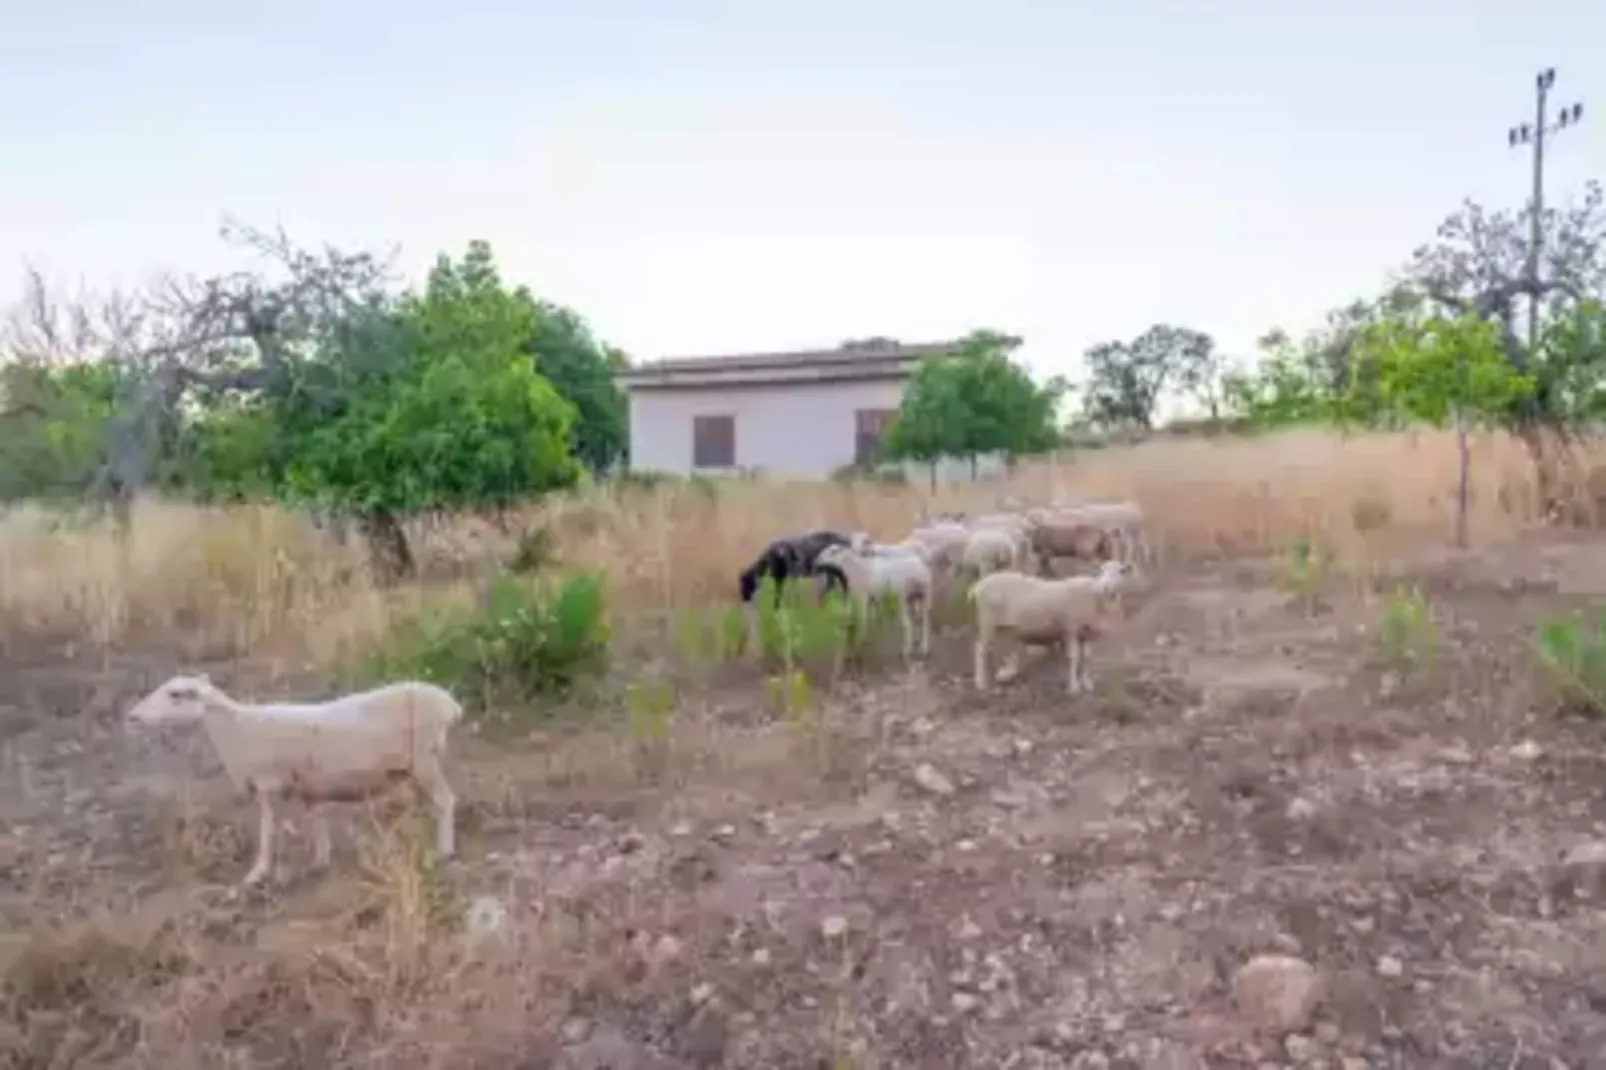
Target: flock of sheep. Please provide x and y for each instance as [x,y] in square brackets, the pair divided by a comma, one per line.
[354,747]
[994,549]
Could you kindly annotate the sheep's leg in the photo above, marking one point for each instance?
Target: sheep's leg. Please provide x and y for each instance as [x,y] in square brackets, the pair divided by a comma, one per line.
[322,844]
[433,781]
[983,639]
[1083,679]
[1073,667]
[266,826]
[925,626]
[908,628]
[1011,667]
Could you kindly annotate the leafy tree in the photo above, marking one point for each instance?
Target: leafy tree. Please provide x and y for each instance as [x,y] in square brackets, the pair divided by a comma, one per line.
[1126,379]
[976,401]
[1481,264]
[583,371]
[442,408]
[1444,370]
[52,431]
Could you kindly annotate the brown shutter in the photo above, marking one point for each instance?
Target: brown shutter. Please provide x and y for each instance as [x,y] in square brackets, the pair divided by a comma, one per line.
[713,442]
[870,427]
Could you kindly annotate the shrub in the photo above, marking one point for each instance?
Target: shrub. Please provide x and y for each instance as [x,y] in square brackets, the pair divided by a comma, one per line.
[521,641]
[535,551]
[1572,655]
[1407,633]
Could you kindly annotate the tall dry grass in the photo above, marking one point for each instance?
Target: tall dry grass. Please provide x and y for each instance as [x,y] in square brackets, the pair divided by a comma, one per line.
[216,583]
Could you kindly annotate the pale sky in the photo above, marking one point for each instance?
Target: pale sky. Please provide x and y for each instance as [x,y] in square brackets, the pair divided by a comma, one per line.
[700,178]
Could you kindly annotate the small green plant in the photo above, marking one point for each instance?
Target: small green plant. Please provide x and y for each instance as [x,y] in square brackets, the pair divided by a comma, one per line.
[650,708]
[1572,655]
[520,641]
[1407,633]
[697,640]
[1305,569]
[793,695]
[732,633]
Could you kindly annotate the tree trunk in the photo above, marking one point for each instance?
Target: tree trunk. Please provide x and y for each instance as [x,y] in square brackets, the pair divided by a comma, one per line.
[973,468]
[1463,479]
[1533,437]
[388,552]
[933,477]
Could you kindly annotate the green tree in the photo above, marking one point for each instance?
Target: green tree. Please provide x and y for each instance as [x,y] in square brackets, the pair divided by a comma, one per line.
[1480,264]
[53,426]
[1125,380]
[975,401]
[1443,370]
[571,359]
[441,408]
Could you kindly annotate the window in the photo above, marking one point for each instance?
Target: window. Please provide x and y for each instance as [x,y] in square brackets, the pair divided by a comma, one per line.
[870,426]
[713,442]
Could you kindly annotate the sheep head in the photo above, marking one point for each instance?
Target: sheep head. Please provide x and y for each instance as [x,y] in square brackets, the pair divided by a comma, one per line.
[181,700]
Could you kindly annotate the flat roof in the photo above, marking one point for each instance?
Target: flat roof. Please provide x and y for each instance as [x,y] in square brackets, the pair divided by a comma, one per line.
[873,358]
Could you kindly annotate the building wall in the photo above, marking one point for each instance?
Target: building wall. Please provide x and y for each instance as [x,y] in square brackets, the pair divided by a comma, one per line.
[791,430]
[795,429]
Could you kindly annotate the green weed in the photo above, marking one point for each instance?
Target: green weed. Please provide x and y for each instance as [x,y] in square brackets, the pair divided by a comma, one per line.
[1572,655]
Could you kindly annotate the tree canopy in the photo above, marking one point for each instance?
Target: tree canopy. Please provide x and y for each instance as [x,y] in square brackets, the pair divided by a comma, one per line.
[976,401]
[315,381]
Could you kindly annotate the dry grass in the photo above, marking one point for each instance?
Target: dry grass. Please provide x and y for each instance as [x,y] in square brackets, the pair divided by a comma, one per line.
[765,891]
[211,583]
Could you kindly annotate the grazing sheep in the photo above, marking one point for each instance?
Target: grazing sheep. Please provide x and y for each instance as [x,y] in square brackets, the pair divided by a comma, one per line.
[342,750]
[794,556]
[990,550]
[905,576]
[943,540]
[1049,536]
[1040,612]
[1121,521]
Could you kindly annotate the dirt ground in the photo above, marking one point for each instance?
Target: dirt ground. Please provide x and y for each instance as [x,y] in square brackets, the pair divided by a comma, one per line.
[920,877]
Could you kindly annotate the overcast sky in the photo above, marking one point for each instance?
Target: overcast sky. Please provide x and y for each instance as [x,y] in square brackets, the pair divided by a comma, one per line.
[701,178]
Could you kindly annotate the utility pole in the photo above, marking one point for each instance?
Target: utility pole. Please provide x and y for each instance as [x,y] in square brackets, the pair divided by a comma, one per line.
[1535,135]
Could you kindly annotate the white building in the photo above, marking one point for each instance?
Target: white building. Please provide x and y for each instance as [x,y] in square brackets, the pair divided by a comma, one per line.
[803,414]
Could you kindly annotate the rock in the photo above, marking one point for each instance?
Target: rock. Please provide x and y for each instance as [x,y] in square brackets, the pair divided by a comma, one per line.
[1299,1047]
[833,927]
[965,1002]
[927,776]
[1526,751]
[704,1039]
[1584,865]
[609,1049]
[485,916]
[1277,993]
[1389,966]
[1300,809]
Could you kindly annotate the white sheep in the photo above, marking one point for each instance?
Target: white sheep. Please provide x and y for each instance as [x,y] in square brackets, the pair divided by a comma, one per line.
[1045,612]
[991,549]
[342,750]
[944,542]
[907,577]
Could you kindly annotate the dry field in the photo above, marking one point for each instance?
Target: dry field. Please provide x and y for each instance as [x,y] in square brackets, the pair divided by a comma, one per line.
[911,876]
